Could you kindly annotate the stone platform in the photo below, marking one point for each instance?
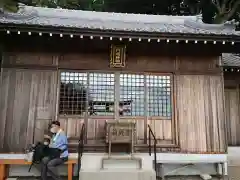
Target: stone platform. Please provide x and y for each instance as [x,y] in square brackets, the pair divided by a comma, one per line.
[117,167]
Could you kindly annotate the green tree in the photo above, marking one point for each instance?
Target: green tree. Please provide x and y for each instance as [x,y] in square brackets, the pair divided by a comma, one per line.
[8,5]
[216,11]
[213,11]
[225,10]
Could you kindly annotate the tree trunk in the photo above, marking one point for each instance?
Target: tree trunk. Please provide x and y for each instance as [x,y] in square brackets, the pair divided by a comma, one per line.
[223,17]
[220,19]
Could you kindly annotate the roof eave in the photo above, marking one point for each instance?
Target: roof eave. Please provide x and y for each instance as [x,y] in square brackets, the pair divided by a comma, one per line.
[116,33]
[230,67]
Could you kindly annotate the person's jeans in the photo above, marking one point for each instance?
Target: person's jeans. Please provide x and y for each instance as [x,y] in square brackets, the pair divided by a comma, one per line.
[48,166]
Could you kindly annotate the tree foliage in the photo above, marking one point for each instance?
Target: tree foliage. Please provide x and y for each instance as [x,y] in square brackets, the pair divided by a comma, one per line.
[9,5]
[213,11]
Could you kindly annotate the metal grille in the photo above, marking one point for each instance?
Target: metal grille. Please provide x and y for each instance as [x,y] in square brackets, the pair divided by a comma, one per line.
[131,95]
[159,95]
[94,93]
[86,92]
[73,93]
[101,94]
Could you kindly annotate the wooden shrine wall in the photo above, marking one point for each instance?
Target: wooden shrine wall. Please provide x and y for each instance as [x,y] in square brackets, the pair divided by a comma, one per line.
[30,82]
[201,117]
[232,104]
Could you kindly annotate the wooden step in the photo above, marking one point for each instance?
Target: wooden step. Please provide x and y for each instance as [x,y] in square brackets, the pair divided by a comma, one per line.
[143,148]
[87,147]
[73,138]
[75,143]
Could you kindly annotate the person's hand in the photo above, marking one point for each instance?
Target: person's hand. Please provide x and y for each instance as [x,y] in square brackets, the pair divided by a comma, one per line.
[51,145]
[46,136]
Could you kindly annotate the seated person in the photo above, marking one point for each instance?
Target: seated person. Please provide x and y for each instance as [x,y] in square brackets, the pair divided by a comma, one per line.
[58,141]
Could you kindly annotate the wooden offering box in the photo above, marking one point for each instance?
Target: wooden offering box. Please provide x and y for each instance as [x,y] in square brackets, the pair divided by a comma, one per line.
[120,132]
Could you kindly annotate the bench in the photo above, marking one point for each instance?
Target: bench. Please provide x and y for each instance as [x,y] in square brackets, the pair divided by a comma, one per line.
[189,160]
[10,160]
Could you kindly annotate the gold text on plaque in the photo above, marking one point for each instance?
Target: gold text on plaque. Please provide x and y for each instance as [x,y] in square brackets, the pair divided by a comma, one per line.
[120,132]
[118,55]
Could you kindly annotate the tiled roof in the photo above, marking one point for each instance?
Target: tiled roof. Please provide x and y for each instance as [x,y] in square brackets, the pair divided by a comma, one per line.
[231,60]
[115,21]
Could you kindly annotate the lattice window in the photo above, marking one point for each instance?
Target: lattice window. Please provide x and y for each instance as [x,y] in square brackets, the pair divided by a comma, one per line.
[73,93]
[131,95]
[86,92]
[94,93]
[101,94]
[159,96]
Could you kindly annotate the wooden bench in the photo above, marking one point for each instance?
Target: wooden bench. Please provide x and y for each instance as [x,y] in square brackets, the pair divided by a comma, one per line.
[4,164]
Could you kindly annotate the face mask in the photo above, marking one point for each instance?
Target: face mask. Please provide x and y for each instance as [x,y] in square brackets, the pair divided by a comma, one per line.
[45,143]
[53,130]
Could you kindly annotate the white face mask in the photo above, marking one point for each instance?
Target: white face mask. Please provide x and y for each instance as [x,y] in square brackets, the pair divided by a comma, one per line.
[53,130]
[45,143]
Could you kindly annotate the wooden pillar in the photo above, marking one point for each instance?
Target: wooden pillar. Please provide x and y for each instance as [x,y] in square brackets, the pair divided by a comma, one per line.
[145,110]
[117,95]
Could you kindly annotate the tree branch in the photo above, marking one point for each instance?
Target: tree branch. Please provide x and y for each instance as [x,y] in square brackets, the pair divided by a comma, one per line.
[233,9]
[223,5]
[226,11]
[217,5]
[238,15]
[230,4]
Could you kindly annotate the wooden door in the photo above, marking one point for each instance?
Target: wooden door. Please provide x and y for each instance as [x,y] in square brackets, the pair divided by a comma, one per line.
[94,97]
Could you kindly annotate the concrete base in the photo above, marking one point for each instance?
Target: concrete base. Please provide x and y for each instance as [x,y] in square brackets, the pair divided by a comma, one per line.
[234,163]
[117,167]
[117,174]
[202,162]
[117,161]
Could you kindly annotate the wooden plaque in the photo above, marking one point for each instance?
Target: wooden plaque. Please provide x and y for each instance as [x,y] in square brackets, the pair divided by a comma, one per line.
[118,56]
[120,131]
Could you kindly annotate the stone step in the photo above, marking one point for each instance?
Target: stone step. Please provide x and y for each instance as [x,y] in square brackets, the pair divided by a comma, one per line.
[117,174]
[116,160]
[117,167]
[121,161]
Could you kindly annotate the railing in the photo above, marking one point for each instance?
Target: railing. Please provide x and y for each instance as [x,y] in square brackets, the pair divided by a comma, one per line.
[80,148]
[150,137]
